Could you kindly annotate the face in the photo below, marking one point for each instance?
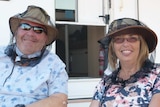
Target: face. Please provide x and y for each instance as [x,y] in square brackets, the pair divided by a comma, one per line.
[126,47]
[30,37]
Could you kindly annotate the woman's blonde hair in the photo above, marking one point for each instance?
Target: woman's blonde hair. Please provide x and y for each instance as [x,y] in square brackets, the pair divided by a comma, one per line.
[143,54]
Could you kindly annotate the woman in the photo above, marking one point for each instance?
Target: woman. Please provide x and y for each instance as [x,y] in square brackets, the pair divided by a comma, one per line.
[31,75]
[135,80]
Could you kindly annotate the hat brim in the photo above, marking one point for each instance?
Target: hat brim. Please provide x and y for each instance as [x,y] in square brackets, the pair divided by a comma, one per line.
[149,36]
[51,31]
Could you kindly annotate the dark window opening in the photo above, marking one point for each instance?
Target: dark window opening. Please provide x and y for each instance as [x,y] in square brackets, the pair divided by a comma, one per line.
[77,59]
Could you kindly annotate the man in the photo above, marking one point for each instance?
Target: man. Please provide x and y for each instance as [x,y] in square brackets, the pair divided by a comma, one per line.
[32,76]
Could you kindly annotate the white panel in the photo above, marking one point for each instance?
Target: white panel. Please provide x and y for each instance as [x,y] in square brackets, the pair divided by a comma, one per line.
[89,11]
[82,88]
[123,8]
[66,4]
[86,104]
[149,14]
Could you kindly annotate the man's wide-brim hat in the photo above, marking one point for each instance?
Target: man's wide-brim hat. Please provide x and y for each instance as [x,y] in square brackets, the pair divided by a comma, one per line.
[131,26]
[37,15]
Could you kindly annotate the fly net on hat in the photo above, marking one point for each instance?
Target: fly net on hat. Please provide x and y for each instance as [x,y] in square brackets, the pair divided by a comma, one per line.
[37,15]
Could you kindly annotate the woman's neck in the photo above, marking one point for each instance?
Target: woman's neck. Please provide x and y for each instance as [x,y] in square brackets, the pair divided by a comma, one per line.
[127,71]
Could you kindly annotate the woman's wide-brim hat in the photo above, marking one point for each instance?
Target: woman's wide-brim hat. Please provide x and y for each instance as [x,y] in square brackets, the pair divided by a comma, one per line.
[131,26]
[37,15]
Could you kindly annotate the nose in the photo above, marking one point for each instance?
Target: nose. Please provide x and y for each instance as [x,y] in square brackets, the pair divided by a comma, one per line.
[125,42]
[125,39]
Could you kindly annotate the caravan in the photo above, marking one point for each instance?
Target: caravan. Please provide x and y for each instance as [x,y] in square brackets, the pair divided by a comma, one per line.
[81,23]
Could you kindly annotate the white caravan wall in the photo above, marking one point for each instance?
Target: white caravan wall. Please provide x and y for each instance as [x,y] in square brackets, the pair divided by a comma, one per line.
[123,8]
[12,7]
[149,14]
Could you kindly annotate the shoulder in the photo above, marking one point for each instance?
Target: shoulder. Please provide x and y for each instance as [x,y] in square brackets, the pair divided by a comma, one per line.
[52,60]
[154,73]
[157,65]
[2,49]
[157,70]
[53,57]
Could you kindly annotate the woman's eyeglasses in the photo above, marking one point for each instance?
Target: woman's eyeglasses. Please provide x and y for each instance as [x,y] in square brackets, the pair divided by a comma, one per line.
[119,40]
[36,29]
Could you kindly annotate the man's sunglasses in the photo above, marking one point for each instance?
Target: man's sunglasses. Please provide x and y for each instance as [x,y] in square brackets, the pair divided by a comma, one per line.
[36,29]
[119,40]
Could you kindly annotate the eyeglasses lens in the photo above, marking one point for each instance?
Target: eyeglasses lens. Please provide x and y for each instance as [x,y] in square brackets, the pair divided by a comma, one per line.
[121,40]
[36,29]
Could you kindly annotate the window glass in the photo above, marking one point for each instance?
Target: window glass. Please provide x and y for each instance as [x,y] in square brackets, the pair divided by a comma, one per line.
[65,10]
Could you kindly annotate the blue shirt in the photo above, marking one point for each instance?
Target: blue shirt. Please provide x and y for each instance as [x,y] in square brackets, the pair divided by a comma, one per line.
[26,85]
